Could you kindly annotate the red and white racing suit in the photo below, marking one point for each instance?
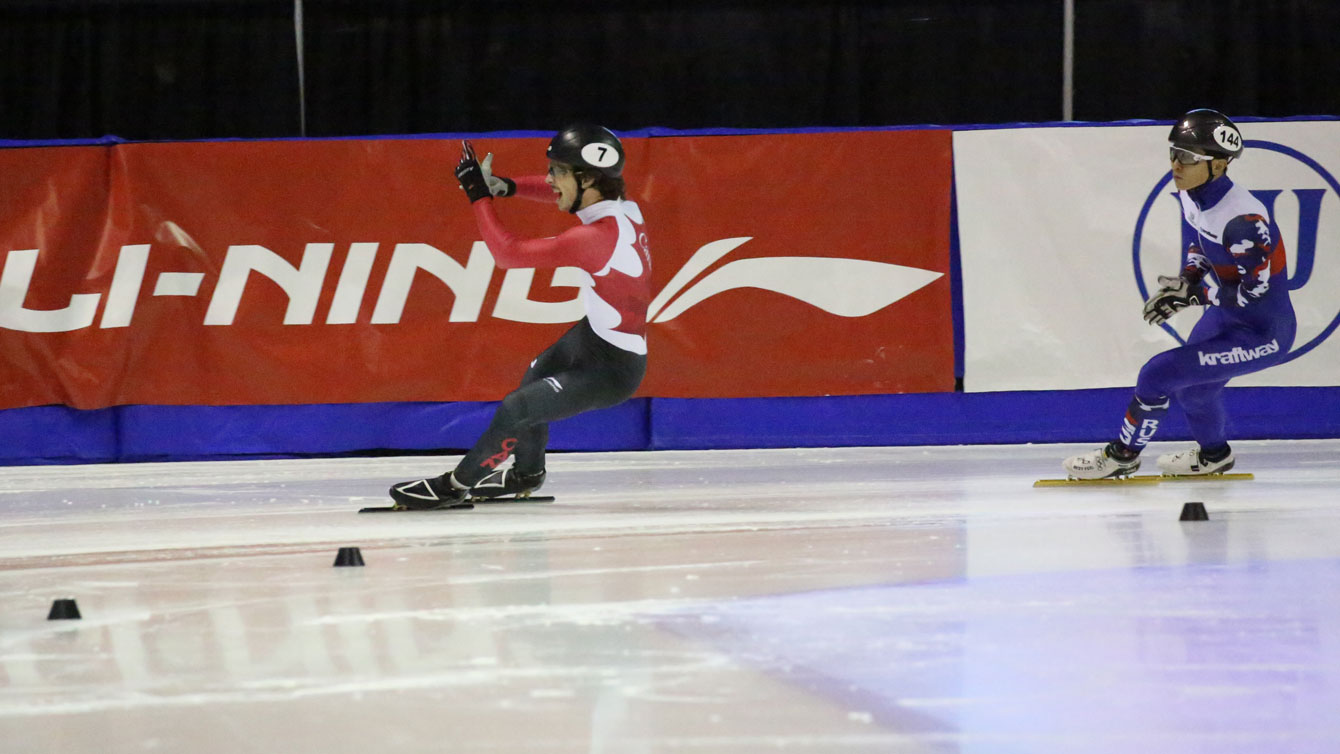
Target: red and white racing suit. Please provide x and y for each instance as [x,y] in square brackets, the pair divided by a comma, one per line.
[597,363]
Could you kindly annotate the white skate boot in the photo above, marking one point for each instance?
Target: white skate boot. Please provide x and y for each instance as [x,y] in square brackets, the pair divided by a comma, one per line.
[1189,463]
[1100,464]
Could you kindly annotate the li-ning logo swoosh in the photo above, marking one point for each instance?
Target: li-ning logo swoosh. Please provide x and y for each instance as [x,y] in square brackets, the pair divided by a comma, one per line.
[845,287]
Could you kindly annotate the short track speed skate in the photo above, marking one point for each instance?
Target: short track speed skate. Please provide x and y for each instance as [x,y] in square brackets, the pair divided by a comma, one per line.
[438,493]
[507,484]
[432,494]
[1105,463]
[1144,479]
[460,506]
[1195,462]
[1101,467]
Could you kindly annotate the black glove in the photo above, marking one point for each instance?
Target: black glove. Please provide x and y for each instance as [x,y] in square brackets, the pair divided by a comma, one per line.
[498,186]
[1175,295]
[470,175]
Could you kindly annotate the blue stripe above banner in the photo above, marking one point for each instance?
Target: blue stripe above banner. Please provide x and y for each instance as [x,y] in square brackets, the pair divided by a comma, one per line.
[55,434]
[662,131]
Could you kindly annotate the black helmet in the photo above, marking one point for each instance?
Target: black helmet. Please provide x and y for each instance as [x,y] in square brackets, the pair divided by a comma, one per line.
[1209,131]
[583,145]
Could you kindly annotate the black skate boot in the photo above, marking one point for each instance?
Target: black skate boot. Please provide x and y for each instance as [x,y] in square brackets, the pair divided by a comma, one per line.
[429,494]
[507,483]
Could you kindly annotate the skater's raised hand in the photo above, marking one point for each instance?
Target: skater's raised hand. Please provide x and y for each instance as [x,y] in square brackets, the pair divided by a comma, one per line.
[1175,295]
[470,174]
[498,186]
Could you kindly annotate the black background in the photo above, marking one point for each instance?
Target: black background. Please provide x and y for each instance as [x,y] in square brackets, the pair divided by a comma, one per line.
[190,69]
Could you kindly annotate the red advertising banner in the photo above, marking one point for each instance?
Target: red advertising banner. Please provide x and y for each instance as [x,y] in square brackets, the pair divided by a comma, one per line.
[346,271]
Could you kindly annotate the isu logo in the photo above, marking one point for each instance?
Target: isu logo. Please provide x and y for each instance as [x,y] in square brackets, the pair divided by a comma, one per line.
[844,287]
[1303,203]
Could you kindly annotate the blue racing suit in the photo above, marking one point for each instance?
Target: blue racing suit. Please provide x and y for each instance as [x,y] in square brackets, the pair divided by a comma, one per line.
[1235,258]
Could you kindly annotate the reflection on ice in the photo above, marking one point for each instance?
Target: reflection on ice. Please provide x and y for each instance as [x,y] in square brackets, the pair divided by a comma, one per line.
[866,599]
[1125,659]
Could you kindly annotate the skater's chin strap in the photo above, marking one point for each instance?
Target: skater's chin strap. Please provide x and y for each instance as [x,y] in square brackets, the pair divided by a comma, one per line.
[581,191]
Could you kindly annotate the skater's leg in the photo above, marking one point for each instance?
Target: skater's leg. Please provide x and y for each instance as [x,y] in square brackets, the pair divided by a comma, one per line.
[1196,373]
[531,444]
[1204,407]
[532,440]
[1144,414]
[1142,420]
[528,442]
[543,401]
[1174,373]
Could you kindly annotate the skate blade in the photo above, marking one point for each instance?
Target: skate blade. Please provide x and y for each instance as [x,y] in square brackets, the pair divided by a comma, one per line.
[1227,477]
[1112,480]
[514,499]
[403,509]
[1144,479]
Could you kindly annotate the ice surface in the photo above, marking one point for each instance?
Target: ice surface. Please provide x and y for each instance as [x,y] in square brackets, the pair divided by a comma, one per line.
[832,600]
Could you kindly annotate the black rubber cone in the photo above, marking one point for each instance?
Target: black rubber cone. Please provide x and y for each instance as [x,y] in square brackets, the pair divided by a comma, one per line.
[64,610]
[1194,512]
[349,556]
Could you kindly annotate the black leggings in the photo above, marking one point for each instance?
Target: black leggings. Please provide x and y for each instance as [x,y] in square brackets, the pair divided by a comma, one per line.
[580,372]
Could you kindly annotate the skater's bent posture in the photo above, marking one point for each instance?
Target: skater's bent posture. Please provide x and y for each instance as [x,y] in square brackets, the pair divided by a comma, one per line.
[1235,267]
[597,363]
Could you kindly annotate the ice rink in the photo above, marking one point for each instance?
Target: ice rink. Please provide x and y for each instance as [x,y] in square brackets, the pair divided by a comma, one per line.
[841,600]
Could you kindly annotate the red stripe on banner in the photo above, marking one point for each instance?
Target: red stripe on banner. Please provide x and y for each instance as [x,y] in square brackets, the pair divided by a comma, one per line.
[350,271]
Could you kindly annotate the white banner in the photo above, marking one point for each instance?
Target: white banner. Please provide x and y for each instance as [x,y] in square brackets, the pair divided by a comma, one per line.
[1057,225]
